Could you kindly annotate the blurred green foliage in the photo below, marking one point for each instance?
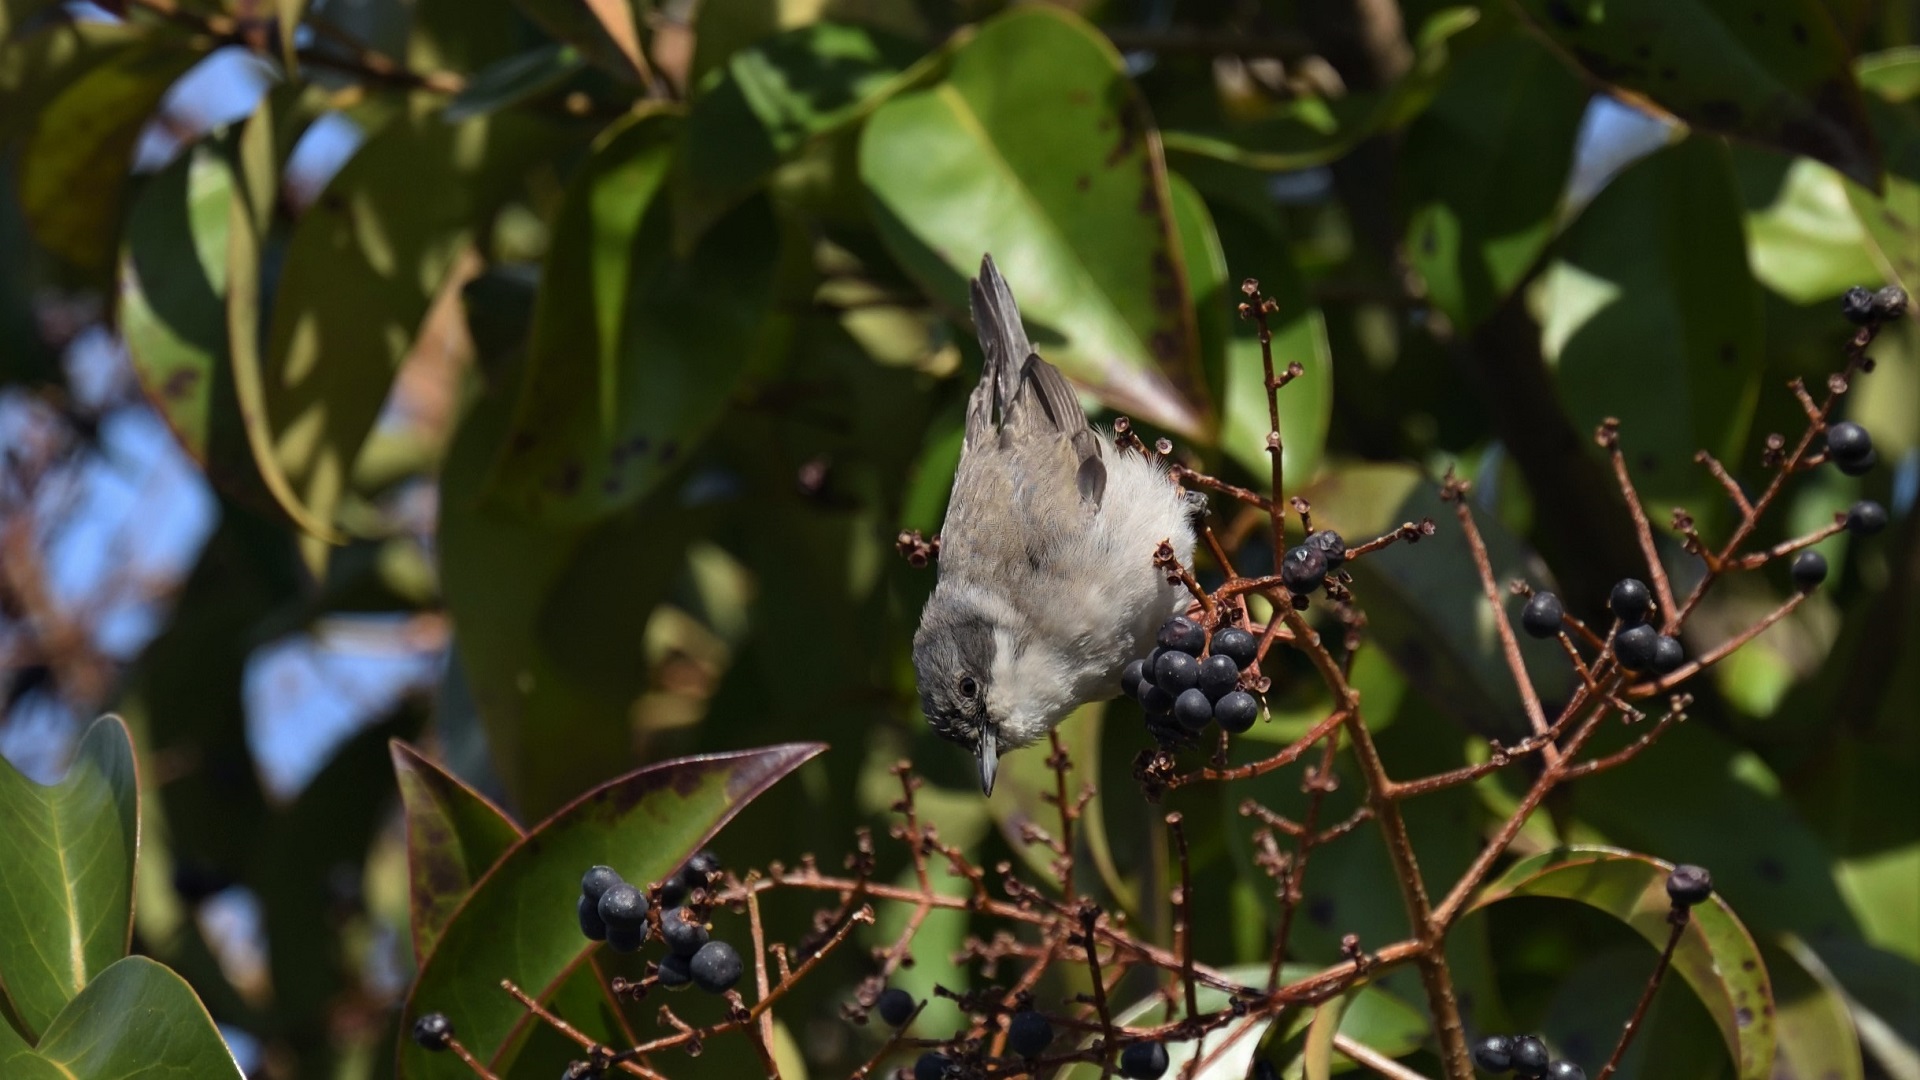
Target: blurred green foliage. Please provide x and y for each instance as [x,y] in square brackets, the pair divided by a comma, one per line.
[701,267]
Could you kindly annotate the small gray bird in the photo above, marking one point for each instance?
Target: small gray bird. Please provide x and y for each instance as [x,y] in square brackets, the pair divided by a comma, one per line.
[1047,584]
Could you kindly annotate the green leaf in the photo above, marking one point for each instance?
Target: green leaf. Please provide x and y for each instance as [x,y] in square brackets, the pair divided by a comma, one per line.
[1716,955]
[15,13]
[137,1018]
[1775,73]
[74,167]
[1317,1061]
[361,270]
[772,100]
[514,80]
[1302,132]
[454,836]
[1816,1037]
[66,874]
[1037,149]
[1803,238]
[635,353]
[721,30]
[1652,317]
[1892,216]
[603,30]
[1486,166]
[519,921]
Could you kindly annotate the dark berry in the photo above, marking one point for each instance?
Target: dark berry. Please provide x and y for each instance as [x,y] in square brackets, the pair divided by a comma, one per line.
[1689,885]
[1218,674]
[626,939]
[673,892]
[1192,709]
[1176,672]
[1303,569]
[623,905]
[1861,467]
[433,1031]
[1131,676]
[1155,701]
[716,967]
[683,935]
[1866,518]
[1330,546]
[1028,1033]
[1848,441]
[1143,1061]
[1668,655]
[1264,1070]
[597,881]
[1809,570]
[1637,647]
[1565,1070]
[1181,634]
[590,922]
[1890,302]
[1630,601]
[1240,645]
[895,1006]
[701,866]
[1529,1057]
[931,1066]
[1493,1054]
[1541,617]
[1857,305]
[1237,711]
[674,972]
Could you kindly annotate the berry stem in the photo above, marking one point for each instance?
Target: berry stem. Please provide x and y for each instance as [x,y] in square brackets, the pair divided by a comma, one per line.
[1509,644]
[1259,306]
[1183,914]
[1609,437]
[1678,918]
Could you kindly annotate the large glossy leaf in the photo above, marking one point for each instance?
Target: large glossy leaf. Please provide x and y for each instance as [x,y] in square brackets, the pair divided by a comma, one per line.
[1036,148]
[1892,217]
[519,924]
[74,166]
[1776,73]
[1486,165]
[360,272]
[771,100]
[1716,955]
[635,353]
[454,836]
[1653,317]
[137,1018]
[1804,240]
[66,874]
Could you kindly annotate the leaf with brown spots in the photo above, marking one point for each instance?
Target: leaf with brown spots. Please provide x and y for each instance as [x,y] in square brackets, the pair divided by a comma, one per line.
[1716,955]
[454,836]
[1773,71]
[519,922]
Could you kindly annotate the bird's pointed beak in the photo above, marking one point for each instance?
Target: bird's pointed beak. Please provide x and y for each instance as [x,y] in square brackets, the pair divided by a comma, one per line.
[988,751]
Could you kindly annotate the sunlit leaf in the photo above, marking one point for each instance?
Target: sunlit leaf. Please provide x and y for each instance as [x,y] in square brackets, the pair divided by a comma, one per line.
[454,836]
[1716,955]
[1803,238]
[519,922]
[66,875]
[137,1018]
[1892,217]
[1775,73]
[1036,148]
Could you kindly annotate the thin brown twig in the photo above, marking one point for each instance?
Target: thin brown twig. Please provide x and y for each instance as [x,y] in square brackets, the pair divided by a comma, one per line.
[1678,919]
[1609,437]
[1503,626]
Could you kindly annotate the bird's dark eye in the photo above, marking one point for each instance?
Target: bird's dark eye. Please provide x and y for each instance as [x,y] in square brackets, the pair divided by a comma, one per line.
[968,687]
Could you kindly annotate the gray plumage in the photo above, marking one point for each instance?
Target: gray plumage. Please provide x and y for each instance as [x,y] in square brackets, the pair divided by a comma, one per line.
[1047,584]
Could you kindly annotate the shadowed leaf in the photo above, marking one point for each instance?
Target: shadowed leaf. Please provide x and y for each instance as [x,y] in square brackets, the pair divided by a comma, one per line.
[454,836]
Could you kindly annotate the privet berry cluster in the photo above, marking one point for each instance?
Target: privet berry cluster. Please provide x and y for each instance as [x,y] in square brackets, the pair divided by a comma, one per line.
[620,914]
[1190,680]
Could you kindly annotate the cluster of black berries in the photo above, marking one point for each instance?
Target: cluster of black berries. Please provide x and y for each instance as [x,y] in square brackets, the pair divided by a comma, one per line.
[1638,646]
[613,911]
[1525,1056]
[1184,686]
[1305,568]
[1850,448]
[1028,1035]
[1865,307]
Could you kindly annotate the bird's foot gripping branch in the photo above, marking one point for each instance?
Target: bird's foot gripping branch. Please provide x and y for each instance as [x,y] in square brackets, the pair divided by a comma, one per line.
[1201,1020]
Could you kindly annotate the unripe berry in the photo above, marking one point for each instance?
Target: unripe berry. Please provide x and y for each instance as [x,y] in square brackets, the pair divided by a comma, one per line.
[1689,885]
[1866,517]
[1029,1033]
[1809,570]
[1143,1061]
[1303,569]
[1630,601]
[1240,645]
[1637,647]
[1218,675]
[895,1006]
[433,1031]
[716,967]
[1541,617]
[1237,711]
[1181,634]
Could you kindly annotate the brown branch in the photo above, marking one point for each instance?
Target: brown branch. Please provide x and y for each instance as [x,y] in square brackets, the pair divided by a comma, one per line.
[1509,644]
[1678,918]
